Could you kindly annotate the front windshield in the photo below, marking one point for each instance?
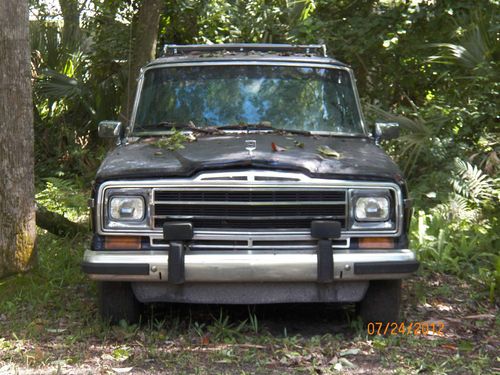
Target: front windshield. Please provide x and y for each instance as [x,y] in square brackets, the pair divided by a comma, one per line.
[284,97]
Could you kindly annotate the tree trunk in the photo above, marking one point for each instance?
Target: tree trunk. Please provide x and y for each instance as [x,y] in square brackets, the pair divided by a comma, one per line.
[17,203]
[71,26]
[143,49]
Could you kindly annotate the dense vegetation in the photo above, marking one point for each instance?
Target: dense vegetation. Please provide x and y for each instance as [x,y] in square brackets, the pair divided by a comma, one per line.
[431,66]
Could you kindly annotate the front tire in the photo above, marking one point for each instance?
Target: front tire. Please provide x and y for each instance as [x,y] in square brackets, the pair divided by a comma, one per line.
[382,302]
[117,302]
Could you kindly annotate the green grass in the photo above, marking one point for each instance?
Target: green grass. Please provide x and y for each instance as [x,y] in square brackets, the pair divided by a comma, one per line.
[49,322]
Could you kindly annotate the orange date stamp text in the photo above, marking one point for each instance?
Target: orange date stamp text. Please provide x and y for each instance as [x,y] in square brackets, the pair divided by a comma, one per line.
[405,328]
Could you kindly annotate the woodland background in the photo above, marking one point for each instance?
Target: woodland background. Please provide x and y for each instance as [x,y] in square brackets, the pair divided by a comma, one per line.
[432,66]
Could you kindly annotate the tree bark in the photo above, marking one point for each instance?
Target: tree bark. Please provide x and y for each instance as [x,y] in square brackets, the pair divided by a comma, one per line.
[17,202]
[71,26]
[143,49]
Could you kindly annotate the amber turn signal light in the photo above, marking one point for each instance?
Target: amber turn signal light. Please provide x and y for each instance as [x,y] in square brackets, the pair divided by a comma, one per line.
[122,243]
[376,243]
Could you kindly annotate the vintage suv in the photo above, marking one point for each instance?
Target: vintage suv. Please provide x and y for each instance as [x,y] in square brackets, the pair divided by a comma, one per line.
[247,175]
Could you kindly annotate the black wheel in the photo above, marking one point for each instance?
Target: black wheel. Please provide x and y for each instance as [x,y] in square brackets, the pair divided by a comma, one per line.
[382,302]
[117,302]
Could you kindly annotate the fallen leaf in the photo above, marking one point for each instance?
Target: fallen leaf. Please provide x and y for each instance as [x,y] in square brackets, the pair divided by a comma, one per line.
[121,370]
[450,347]
[352,351]
[251,346]
[205,340]
[58,363]
[347,363]
[39,354]
[443,307]
[6,369]
[56,330]
[338,366]
[327,151]
[277,148]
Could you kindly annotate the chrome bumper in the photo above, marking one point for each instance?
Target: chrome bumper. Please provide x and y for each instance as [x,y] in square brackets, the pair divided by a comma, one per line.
[147,266]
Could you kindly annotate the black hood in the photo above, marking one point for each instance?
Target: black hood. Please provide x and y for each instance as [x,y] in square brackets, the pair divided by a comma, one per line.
[358,158]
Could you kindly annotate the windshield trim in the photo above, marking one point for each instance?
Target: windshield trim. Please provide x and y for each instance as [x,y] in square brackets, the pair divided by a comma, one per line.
[257,63]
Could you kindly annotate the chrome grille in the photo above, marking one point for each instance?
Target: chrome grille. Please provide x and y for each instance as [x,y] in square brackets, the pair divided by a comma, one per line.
[249,209]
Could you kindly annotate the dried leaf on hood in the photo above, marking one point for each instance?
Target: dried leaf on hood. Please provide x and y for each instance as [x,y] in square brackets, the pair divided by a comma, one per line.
[327,151]
[277,148]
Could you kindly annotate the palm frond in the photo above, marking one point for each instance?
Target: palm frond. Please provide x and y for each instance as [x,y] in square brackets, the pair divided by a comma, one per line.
[457,208]
[456,53]
[55,86]
[46,40]
[471,182]
[473,51]
[415,140]
[416,125]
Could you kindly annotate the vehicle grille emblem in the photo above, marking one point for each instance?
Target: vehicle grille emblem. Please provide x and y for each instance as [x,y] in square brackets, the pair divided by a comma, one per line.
[250,145]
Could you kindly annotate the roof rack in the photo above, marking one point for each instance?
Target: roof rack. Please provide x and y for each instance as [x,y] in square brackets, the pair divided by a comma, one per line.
[311,49]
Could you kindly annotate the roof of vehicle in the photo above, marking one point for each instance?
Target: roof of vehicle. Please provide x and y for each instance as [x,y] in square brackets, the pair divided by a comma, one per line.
[193,53]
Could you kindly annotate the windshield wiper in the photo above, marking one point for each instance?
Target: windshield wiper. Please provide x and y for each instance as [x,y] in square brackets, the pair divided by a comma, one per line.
[262,126]
[167,125]
[190,126]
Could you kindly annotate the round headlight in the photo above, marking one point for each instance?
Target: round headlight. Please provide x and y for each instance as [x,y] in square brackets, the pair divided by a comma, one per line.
[372,209]
[127,208]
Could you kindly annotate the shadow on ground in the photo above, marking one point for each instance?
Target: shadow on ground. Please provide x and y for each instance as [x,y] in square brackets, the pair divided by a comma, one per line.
[306,320]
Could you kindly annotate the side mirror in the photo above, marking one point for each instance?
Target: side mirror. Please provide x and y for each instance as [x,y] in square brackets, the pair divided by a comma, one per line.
[386,131]
[110,129]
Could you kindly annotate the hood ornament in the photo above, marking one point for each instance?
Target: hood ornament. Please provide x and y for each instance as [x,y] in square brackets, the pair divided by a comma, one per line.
[250,145]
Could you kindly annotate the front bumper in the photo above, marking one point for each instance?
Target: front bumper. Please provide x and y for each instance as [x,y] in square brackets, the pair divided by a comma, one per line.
[152,266]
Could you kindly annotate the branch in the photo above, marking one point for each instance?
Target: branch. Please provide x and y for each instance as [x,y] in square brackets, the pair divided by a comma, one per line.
[56,223]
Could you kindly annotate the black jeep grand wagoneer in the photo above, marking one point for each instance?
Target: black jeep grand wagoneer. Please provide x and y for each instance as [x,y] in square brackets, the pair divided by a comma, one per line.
[247,175]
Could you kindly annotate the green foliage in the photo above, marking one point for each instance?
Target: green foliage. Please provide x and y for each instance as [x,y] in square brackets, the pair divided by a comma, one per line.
[73,90]
[222,330]
[63,197]
[461,235]
[173,142]
[213,21]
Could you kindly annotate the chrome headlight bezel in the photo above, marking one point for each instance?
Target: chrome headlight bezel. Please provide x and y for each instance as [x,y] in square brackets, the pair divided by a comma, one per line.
[111,222]
[386,222]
